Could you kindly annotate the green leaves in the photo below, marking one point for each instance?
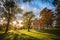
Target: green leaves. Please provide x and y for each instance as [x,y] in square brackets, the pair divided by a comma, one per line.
[28,15]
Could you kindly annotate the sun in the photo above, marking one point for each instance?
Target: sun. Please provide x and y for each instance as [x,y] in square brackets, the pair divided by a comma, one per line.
[22,7]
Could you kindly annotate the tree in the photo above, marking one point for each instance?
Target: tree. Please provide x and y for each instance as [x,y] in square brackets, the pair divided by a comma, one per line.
[28,16]
[57,17]
[46,17]
[10,11]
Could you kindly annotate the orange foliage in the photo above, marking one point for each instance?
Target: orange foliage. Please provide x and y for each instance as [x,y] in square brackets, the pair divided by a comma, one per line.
[46,17]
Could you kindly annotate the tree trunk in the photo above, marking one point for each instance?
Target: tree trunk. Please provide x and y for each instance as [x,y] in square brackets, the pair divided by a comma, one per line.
[8,22]
[29,25]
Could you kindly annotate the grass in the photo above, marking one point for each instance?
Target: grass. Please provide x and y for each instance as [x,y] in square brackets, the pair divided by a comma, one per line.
[47,34]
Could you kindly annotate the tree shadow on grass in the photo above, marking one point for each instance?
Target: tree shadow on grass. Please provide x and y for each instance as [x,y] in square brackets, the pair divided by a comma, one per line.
[53,32]
[2,36]
[24,37]
[5,36]
[55,38]
[15,36]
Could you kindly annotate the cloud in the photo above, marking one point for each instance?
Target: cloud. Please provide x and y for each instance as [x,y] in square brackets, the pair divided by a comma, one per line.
[36,6]
[27,7]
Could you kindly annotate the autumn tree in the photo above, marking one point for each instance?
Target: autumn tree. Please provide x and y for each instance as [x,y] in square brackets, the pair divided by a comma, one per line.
[46,17]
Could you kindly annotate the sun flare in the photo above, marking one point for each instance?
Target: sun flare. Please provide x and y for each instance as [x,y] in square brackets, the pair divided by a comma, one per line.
[18,24]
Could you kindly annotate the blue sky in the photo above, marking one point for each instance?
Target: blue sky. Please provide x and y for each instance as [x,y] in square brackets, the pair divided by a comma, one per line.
[36,6]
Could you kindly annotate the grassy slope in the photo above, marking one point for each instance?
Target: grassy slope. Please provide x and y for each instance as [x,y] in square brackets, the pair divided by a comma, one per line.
[32,35]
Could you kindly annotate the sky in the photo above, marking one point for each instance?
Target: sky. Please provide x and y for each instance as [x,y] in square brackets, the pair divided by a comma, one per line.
[36,6]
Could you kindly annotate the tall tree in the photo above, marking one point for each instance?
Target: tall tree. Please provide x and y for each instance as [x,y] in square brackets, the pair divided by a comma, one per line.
[10,10]
[46,17]
[57,18]
[28,16]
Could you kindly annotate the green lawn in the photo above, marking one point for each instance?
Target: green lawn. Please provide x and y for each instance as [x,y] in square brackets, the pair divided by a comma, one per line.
[48,34]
